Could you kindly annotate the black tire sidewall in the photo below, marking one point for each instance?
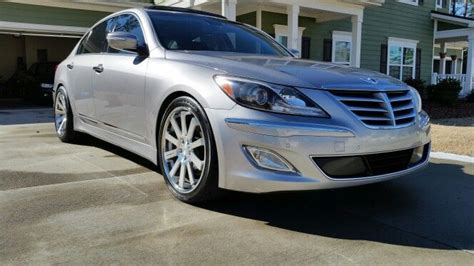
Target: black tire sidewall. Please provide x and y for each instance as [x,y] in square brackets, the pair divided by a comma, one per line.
[209,179]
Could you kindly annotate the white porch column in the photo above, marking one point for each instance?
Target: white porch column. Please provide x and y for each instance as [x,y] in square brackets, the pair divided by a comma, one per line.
[229,9]
[455,66]
[467,88]
[442,61]
[259,18]
[293,12]
[356,40]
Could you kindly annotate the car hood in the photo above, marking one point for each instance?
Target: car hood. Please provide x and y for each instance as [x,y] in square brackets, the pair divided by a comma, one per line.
[291,71]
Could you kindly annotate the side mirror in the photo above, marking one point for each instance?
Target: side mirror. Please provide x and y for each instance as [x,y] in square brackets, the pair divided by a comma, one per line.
[122,41]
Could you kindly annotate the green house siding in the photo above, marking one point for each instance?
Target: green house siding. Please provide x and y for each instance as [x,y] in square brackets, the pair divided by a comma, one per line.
[398,20]
[249,18]
[48,15]
[324,31]
[317,32]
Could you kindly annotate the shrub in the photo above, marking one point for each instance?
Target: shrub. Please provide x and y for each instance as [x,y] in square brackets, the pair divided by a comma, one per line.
[418,84]
[446,92]
[470,97]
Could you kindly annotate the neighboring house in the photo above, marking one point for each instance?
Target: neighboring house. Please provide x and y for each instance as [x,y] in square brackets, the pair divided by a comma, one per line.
[402,38]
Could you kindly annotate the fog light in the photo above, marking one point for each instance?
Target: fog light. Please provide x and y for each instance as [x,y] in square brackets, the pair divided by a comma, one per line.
[269,160]
[417,155]
[424,119]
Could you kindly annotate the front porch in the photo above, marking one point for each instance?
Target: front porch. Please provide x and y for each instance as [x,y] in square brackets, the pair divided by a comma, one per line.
[454,50]
[294,23]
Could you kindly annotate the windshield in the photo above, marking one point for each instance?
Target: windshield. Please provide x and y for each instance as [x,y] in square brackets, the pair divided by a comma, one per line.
[181,31]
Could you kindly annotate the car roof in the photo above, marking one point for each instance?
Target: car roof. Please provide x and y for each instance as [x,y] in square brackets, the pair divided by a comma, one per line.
[183,10]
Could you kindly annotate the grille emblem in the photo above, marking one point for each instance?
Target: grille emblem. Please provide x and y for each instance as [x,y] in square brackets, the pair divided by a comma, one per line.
[370,80]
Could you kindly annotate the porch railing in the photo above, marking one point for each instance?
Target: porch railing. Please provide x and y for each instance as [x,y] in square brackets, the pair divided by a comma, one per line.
[435,78]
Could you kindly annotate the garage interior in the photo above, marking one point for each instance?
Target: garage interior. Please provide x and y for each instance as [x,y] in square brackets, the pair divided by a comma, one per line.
[41,34]
[25,49]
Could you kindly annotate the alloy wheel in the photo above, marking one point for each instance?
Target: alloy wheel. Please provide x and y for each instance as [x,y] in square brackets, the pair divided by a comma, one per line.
[183,147]
[60,113]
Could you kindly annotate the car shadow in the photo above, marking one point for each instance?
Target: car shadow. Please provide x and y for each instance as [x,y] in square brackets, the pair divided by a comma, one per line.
[431,209]
[87,140]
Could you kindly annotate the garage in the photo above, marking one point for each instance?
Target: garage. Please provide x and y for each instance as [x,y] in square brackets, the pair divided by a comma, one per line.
[27,69]
[34,37]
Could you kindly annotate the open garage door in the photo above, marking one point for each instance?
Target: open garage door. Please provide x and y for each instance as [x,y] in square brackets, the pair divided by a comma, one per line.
[31,52]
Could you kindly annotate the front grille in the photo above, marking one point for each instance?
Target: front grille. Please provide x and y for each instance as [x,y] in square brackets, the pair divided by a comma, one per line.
[379,109]
[370,165]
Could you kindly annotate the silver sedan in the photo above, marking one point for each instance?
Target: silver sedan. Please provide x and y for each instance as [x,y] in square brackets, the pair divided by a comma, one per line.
[221,105]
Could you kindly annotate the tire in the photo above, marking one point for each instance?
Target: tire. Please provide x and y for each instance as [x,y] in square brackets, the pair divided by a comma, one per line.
[188,161]
[63,117]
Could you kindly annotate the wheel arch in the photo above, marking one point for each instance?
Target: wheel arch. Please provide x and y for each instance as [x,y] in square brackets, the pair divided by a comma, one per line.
[164,105]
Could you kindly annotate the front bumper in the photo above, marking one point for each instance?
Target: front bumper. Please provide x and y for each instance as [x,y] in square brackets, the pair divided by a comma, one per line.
[299,140]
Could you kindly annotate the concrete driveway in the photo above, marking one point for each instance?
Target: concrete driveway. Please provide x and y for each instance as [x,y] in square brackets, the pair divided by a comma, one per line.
[95,203]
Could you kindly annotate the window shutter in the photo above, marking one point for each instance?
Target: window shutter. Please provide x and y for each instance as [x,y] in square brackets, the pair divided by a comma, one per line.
[418,64]
[420,2]
[444,3]
[306,47]
[383,58]
[327,50]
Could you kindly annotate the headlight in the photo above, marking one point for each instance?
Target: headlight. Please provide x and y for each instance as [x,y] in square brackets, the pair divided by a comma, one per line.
[268,97]
[416,98]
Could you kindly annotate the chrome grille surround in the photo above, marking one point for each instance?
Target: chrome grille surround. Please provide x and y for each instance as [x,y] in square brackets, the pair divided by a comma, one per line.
[379,109]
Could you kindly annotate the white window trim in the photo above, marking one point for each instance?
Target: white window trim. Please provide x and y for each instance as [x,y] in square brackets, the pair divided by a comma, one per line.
[341,36]
[282,31]
[403,43]
[410,2]
[439,3]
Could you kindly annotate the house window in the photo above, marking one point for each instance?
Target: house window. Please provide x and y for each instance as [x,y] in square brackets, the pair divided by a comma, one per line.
[461,8]
[411,2]
[281,35]
[282,39]
[401,58]
[341,47]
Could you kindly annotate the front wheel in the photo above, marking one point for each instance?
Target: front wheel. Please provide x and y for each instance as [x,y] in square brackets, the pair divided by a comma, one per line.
[187,153]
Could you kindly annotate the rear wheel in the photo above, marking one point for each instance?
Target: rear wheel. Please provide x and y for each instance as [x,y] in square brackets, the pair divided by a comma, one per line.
[63,118]
[187,151]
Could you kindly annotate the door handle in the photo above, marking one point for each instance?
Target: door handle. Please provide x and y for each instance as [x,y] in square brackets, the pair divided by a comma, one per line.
[70,65]
[99,68]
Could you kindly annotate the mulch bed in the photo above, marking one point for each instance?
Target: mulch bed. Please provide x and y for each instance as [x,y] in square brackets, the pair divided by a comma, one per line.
[459,110]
